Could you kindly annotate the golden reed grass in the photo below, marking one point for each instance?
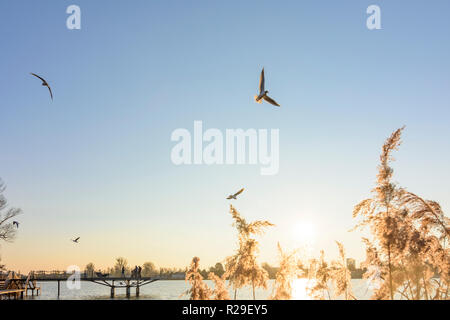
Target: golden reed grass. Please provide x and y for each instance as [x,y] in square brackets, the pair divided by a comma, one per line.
[407,249]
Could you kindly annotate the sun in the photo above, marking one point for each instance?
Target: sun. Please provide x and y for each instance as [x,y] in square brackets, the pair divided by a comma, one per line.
[301,288]
[305,232]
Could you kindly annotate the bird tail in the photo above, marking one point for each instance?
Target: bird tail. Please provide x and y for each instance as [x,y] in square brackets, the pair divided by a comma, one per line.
[256,99]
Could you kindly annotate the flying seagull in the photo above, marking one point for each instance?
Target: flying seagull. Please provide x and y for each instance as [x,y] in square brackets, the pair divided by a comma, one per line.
[15,223]
[44,83]
[76,240]
[263,93]
[233,196]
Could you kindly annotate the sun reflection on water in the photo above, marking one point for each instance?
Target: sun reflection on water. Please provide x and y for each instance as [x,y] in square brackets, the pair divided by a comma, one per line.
[300,288]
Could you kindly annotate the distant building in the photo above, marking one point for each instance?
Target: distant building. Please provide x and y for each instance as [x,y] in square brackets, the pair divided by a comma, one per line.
[351,264]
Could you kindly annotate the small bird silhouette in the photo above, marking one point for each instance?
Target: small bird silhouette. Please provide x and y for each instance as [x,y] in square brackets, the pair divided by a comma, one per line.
[263,93]
[15,223]
[44,83]
[76,240]
[233,196]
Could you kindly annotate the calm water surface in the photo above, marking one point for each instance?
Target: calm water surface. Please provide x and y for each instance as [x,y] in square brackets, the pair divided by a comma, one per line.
[172,290]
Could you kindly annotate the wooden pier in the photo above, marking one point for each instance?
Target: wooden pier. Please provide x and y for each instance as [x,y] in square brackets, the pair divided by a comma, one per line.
[16,286]
[112,282]
[11,294]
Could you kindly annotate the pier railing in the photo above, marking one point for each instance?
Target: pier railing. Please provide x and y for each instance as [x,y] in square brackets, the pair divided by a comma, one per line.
[88,274]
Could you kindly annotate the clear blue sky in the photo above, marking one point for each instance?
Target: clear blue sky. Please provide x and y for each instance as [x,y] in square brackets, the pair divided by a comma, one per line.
[96,162]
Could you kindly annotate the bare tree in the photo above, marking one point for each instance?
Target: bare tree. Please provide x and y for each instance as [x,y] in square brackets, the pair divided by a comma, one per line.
[7,229]
[2,266]
[120,263]
[89,269]
[149,269]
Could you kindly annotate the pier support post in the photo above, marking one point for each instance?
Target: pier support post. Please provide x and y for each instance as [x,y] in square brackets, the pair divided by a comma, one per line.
[59,290]
[112,292]
[137,290]
[128,290]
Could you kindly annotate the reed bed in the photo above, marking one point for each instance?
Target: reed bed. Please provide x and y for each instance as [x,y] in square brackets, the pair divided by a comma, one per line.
[407,254]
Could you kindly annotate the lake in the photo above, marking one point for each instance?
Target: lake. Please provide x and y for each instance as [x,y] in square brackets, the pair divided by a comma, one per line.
[172,290]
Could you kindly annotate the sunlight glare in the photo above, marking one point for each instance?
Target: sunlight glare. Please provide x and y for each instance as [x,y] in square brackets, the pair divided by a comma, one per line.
[300,289]
[305,233]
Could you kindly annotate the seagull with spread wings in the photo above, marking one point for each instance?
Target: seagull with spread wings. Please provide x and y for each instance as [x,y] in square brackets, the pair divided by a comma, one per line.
[16,223]
[76,240]
[233,196]
[263,93]
[44,83]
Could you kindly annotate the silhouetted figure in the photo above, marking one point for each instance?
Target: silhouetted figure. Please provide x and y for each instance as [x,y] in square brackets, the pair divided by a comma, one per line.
[139,272]
[123,271]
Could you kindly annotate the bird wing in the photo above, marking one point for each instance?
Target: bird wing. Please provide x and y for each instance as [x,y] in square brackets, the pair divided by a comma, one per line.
[270,100]
[239,192]
[229,197]
[50,89]
[34,74]
[261,82]
[77,239]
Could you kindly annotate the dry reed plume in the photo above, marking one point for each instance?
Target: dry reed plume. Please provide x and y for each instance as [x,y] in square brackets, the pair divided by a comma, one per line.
[198,290]
[321,273]
[242,268]
[285,276]
[408,237]
[324,276]
[220,291]
[407,251]
[341,276]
